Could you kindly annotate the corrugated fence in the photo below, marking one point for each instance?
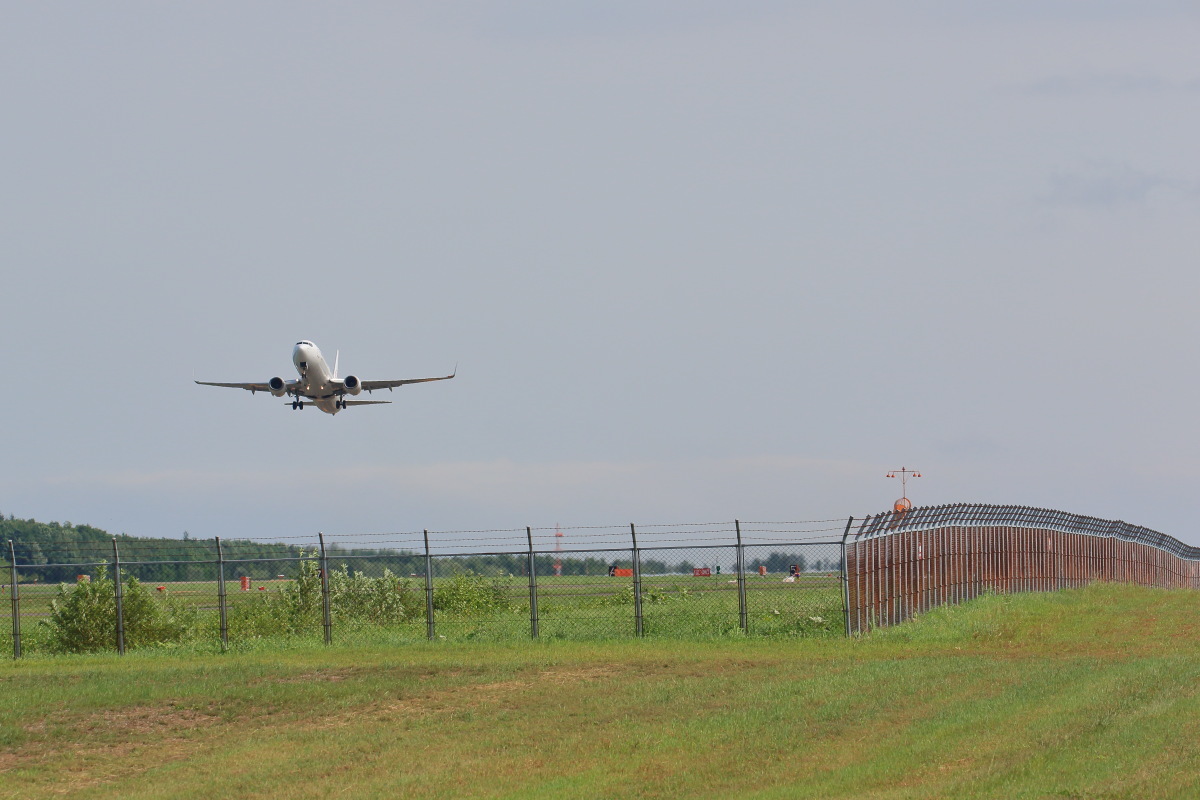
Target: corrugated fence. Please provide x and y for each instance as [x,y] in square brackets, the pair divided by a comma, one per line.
[901,564]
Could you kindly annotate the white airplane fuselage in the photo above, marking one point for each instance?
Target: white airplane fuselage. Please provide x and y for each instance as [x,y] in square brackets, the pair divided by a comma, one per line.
[322,386]
[315,378]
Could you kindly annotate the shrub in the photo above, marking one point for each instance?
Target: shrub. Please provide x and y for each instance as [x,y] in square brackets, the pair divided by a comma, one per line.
[622,597]
[468,593]
[375,601]
[293,608]
[296,608]
[83,616]
[660,594]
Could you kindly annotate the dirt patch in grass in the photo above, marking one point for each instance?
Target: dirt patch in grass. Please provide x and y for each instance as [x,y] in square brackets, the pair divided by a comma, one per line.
[85,768]
[318,676]
[107,744]
[473,696]
[136,720]
[150,720]
[577,674]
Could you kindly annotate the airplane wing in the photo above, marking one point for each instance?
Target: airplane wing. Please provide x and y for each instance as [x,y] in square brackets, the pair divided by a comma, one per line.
[371,386]
[253,387]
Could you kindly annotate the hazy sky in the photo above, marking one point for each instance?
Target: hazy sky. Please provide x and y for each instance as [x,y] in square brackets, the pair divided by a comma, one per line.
[695,260]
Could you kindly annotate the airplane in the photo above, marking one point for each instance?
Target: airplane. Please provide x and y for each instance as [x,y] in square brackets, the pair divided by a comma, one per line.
[317,383]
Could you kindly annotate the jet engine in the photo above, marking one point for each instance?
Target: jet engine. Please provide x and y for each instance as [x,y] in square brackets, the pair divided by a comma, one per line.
[352,384]
[277,387]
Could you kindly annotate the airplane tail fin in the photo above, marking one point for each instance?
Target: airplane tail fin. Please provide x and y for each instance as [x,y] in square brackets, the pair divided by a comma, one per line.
[336,353]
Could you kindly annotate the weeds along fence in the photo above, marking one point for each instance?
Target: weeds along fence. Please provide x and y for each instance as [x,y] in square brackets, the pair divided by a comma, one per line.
[740,578]
[901,564]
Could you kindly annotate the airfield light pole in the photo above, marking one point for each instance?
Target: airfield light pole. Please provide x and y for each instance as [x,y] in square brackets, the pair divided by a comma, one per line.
[903,504]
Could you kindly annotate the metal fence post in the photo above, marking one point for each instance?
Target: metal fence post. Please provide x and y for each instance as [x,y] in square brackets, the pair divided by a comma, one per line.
[119,594]
[637,582]
[743,615]
[846,577]
[221,596]
[16,602]
[533,609]
[430,632]
[326,617]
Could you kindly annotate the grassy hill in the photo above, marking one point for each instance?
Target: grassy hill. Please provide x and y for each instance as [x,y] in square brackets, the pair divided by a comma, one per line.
[1083,693]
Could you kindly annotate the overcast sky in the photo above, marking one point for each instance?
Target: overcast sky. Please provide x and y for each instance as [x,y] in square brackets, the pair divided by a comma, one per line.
[695,260]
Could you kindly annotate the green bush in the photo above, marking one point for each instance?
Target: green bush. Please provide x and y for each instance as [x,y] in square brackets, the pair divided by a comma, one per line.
[468,593]
[355,599]
[83,616]
[621,597]
[652,594]
[661,594]
[294,608]
[372,601]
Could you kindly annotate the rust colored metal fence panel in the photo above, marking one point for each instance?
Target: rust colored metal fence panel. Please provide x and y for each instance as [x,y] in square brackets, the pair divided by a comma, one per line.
[902,564]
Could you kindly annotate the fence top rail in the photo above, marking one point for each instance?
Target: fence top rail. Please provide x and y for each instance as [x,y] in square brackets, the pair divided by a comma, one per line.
[976,515]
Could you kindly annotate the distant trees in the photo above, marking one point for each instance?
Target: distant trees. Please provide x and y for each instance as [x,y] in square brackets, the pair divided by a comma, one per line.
[779,562]
[48,547]
[55,552]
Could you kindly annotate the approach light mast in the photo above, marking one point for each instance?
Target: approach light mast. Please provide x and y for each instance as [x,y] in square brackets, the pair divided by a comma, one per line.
[902,505]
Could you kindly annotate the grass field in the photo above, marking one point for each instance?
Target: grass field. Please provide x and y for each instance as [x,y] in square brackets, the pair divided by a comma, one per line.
[1083,693]
[572,607]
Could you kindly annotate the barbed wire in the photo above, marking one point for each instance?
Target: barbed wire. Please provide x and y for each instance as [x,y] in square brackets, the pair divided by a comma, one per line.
[408,544]
[777,530]
[794,522]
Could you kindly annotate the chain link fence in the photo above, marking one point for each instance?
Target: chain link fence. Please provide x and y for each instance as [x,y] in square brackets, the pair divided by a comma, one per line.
[793,578]
[563,583]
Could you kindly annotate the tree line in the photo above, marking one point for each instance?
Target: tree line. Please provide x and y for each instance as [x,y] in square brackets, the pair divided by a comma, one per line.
[53,552]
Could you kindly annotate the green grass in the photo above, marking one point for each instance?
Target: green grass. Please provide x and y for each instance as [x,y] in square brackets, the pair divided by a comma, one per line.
[569,607]
[1088,693]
